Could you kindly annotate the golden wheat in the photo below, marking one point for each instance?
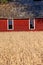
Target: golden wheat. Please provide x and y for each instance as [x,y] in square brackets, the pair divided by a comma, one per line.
[21,48]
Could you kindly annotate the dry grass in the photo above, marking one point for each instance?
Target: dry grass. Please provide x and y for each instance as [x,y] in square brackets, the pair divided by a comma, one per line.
[21,48]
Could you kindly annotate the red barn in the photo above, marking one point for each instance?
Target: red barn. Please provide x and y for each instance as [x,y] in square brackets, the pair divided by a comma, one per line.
[21,24]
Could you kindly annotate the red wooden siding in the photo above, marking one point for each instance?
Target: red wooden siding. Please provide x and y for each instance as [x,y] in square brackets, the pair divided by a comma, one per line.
[21,25]
[39,24]
[3,25]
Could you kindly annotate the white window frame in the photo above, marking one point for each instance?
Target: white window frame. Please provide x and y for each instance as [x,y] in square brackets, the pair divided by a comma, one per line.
[8,24]
[34,25]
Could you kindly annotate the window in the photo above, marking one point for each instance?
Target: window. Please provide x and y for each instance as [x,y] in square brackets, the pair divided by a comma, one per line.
[10,24]
[32,24]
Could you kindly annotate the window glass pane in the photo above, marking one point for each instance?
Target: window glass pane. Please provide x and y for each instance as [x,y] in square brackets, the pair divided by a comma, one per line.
[10,26]
[31,24]
[10,22]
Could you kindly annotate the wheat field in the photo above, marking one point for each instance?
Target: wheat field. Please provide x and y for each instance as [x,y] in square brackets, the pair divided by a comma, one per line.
[21,48]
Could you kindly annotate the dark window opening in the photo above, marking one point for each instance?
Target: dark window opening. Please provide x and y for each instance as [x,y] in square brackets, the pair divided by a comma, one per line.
[32,25]
[10,24]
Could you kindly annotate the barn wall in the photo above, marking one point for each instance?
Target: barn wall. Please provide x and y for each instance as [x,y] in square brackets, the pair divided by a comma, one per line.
[3,25]
[22,25]
[39,24]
